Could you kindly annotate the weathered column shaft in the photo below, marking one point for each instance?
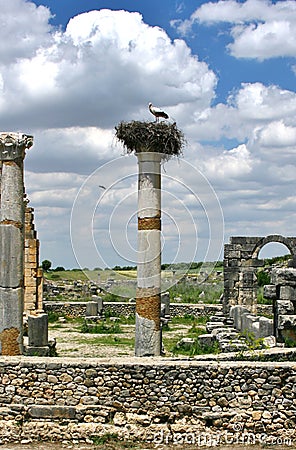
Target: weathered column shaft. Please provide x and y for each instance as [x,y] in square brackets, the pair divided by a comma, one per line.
[12,153]
[148,301]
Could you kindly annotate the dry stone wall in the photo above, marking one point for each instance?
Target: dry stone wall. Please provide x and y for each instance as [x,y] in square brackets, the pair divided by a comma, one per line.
[146,399]
[78,309]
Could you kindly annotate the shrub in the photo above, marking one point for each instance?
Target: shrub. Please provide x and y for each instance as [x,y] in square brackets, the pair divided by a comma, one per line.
[263,278]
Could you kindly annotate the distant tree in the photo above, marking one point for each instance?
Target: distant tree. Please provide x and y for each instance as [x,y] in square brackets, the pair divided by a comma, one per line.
[46,265]
[59,269]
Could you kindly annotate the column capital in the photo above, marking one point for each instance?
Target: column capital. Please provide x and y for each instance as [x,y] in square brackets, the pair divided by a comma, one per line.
[13,145]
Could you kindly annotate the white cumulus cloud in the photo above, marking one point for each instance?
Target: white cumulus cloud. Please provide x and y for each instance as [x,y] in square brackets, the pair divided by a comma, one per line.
[260,28]
[102,69]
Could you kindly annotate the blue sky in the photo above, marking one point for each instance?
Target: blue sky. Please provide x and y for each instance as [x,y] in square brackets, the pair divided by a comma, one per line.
[225,71]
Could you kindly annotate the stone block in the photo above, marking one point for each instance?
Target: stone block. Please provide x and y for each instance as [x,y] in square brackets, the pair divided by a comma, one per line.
[217,331]
[99,301]
[91,309]
[228,248]
[37,351]
[284,307]
[269,341]
[210,326]
[38,330]
[165,300]
[245,240]
[266,327]
[11,244]
[250,323]
[287,293]
[52,412]
[226,335]
[236,312]
[185,343]
[217,318]
[234,254]
[206,340]
[284,276]
[234,262]
[286,321]
[229,321]
[269,291]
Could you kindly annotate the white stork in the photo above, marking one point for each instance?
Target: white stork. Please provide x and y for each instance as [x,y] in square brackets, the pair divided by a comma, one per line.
[157,112]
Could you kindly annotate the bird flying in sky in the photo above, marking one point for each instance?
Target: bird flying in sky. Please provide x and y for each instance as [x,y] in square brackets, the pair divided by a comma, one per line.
[157,112]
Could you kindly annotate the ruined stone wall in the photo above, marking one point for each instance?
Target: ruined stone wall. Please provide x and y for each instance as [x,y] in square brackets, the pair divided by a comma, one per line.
[33,277]
[240,267]
[147,399]
[78,309]
[283,294]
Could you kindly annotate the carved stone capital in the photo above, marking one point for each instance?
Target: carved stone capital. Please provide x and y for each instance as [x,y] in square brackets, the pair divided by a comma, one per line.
[13,145]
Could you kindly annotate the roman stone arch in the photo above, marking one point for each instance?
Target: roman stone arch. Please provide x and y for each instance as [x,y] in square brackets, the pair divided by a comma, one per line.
[289,242]
[240,267]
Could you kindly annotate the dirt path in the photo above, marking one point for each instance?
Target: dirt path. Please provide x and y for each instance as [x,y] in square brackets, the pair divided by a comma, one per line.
[71,342]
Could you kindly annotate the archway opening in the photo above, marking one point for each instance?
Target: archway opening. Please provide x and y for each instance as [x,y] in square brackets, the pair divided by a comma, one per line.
[272,254]
[274,251]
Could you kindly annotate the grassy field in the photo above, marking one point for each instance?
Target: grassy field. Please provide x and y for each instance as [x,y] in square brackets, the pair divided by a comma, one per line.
[75,338]
[87,274]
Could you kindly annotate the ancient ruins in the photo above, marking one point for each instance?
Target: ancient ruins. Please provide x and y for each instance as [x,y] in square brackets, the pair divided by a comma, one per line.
[204,401]
[33,276]
[240,267]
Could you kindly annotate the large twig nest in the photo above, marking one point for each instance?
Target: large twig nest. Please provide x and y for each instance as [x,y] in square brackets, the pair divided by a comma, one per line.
[159,137]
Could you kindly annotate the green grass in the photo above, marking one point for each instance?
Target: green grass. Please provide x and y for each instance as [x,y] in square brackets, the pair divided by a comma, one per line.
[53,316]
[196,349]
[189,319]
[196,328]
[108,437]
[102,327]
[107,340]
[190,292]
[261,300]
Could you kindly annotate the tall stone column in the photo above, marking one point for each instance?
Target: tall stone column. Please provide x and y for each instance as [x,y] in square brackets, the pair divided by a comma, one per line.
[12,153]
[148,301]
